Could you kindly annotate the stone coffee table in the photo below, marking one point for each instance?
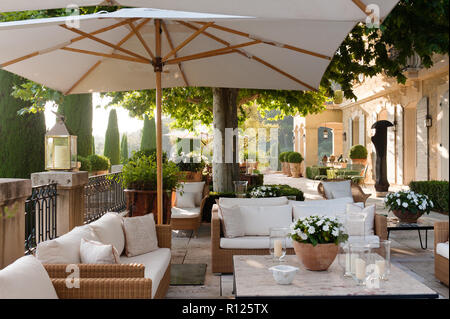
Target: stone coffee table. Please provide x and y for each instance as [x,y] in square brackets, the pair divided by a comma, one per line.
[253,279]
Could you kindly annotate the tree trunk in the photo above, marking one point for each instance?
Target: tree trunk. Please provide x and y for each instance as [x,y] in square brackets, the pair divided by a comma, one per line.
[225,161]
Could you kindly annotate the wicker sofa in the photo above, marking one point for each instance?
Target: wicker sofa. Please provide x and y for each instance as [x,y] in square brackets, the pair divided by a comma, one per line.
[222,255]
[154,266]
[441,236]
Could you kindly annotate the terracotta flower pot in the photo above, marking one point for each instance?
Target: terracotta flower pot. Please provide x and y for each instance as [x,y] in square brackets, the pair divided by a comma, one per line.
[316,258]
[286,169]
[188,176]
[407,216]
[362,161]
[296,169]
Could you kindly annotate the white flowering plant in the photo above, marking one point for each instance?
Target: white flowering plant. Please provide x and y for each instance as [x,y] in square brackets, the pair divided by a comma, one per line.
[318,229]
[410,201]
[264,191]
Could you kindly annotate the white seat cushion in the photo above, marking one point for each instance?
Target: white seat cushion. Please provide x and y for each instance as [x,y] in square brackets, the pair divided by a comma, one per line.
[193,187]
[64,249]
[155,262]
[185,212]
[268,201]
[26,278]
[109,231]
[249,242]
[342,189]
[330,207]
[442,249]
[258,220]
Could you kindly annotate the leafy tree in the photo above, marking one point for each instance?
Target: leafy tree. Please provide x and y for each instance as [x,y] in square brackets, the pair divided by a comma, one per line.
[21,137]
[124,149]
[112,139]
[148,141]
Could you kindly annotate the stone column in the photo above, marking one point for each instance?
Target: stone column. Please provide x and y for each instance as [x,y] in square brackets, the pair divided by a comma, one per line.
[70,201]
[13,193]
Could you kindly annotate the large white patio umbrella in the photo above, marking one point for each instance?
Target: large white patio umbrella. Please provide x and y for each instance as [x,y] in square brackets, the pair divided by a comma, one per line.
[133,49]
[341,10]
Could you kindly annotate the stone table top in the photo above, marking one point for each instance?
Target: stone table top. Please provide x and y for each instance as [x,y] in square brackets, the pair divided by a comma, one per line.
[253,279]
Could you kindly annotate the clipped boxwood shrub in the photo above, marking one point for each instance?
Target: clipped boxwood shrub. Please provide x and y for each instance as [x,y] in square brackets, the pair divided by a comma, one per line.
[98,162]
[282,156]
[437,191]
[295,157]
[358,152]
[85,164]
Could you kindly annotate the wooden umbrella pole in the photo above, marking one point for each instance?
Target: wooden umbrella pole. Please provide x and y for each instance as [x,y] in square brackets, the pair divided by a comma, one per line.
[158,71]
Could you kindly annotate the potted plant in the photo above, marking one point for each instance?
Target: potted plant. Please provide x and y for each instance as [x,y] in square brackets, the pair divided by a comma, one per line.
[191,167]
[358,154]
[316,240]
[282,158]
[285,164]
[139,177]
[295,160]
[99,164]
[407,205]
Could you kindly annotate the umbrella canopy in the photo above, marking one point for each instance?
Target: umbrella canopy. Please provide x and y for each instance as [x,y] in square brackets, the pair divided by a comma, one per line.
[133,49]
[343,10]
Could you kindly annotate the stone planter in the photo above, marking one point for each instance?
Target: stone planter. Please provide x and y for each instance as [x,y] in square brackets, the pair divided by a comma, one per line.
[286,168]
[296,169]
[316,258]
[96,173]
[407,216]
[141,202]
[188,176]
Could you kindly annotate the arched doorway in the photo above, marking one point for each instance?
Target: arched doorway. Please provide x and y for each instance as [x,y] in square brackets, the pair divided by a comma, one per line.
[325,145]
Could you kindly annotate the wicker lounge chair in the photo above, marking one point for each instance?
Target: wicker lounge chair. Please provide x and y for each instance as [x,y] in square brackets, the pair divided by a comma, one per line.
[357,193]
[441,264]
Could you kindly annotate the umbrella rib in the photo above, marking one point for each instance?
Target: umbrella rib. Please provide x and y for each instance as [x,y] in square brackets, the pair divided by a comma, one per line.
[94,38]
[189,39]
[211,53]
[54,48]
[361,5]
[272,43]
[85,75]
[252,57]
[107,55]
[141,39]
[169,40]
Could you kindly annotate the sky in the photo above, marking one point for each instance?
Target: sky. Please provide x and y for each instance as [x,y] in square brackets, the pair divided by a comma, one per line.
[100,118]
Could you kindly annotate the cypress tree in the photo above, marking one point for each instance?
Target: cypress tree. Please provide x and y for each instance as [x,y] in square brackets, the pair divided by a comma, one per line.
[112,139]
[21,136]
[77,111]
[93,145]
[148,141]
[124,149]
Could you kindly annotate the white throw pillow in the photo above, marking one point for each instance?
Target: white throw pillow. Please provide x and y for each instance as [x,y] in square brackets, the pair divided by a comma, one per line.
[109,231]
[185,200]
[140,235]
[368,212]
[258,220]
[330,207]
[65,249]
[194,187]
[232,223]
[26,278]
[94,252]
[269,201]
[343,189]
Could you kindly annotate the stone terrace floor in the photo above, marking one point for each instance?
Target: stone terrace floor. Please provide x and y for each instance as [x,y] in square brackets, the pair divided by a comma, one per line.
[406,251]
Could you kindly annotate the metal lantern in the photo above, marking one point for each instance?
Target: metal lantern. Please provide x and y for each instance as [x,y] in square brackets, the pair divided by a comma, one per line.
[325,133]
[60,147]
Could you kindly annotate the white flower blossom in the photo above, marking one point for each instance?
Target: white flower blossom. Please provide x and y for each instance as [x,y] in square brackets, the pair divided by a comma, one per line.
[311,230]
[405,204]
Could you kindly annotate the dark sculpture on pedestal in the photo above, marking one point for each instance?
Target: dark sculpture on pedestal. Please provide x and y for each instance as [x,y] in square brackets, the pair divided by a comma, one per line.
[379,139]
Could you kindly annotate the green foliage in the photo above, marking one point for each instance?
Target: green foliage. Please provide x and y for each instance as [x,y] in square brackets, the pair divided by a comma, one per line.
[77,111]
[98,162]
[152,152]
[437,191]
[112,139]
[282,156]
[93,145]
[141,174]
[295,157]
[148,141]
[124,149]
[318,230]
[358,152]
[21,137]
[312,172]
[275,190]
[85,164]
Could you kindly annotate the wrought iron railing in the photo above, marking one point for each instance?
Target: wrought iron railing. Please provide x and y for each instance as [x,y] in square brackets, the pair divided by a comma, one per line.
[40,216]
[103,194]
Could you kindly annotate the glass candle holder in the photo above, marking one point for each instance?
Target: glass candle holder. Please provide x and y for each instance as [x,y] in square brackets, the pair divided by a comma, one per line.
[344,259]
[360,259]
[240,188]
[382,259]
[277,242]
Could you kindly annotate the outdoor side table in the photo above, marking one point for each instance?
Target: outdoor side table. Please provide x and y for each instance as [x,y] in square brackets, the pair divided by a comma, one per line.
[394,225]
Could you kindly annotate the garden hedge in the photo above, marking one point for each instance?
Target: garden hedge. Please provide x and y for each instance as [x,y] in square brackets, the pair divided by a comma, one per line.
[436,190]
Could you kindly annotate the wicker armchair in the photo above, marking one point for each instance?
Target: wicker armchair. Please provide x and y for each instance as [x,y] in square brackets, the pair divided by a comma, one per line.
[441,264]
[357,193]
[113,280]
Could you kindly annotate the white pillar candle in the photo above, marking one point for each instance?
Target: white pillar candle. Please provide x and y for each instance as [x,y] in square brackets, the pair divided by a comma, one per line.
[360,269]
[380,267]
[277,247]
[61,156]
[348,265]
[352,263]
